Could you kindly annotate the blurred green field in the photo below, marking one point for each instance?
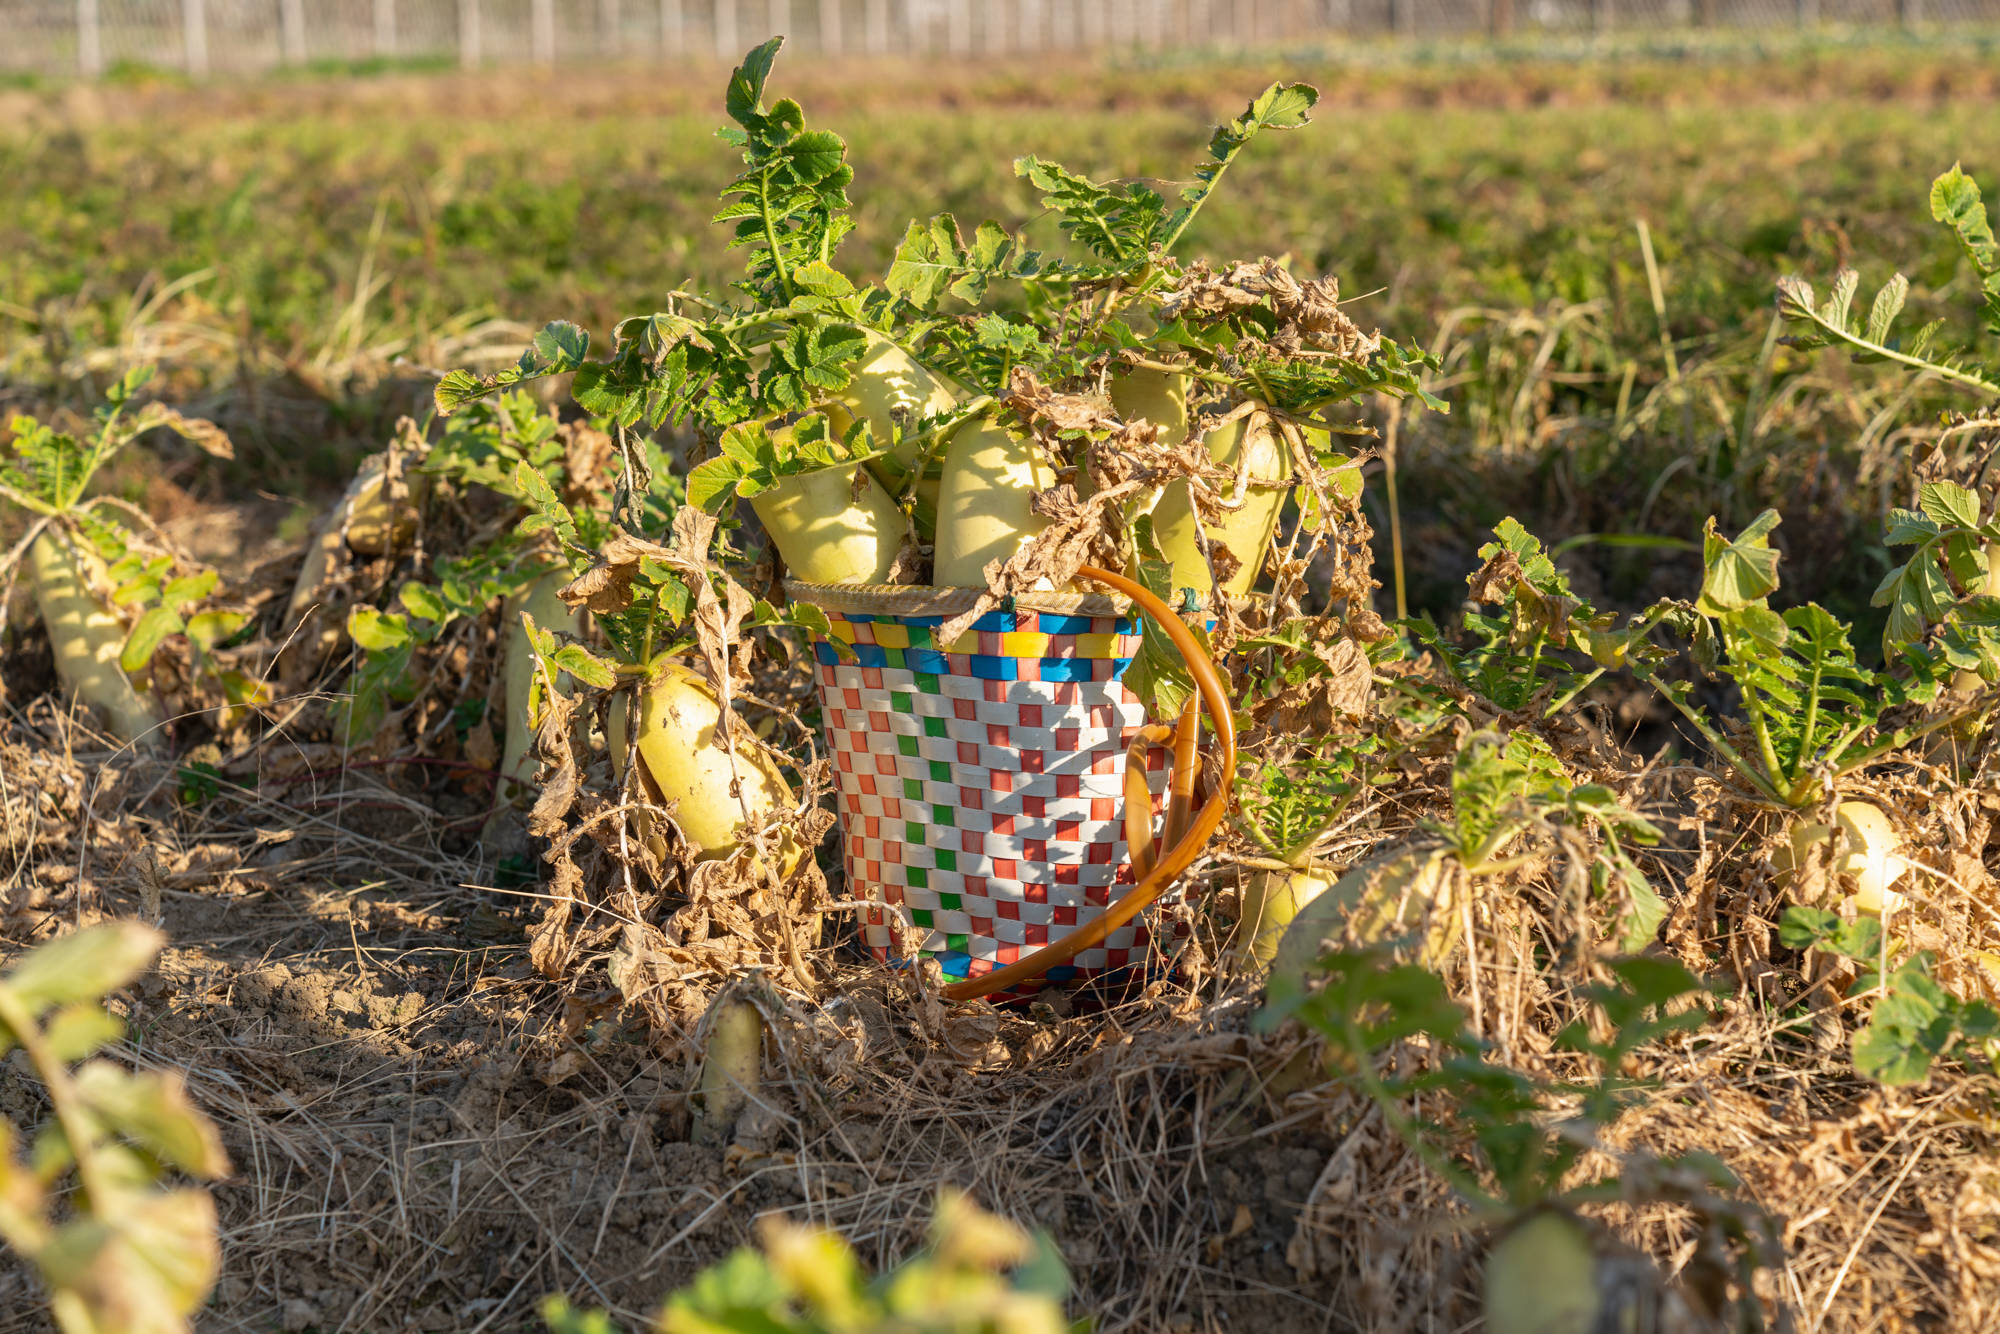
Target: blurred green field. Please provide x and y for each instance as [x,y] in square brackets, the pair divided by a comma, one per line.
[297,257]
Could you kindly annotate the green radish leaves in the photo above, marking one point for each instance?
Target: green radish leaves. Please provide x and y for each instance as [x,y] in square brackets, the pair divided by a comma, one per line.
[1282,106]
[934,261]
[1915,1022]
[1955,201]
[120,1247]
[754,458]
[789,205]
[1129,225]
[1116,223]
[559,348]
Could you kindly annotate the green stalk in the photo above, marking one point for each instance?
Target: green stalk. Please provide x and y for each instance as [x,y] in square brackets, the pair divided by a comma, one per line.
[771,235]
[1812,722]
[62,1098]
[1559,705]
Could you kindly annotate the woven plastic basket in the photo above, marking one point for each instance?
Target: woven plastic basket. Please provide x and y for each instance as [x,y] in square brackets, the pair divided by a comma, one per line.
[981,784]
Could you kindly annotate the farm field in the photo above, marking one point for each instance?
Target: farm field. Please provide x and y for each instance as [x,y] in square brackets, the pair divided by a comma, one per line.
[457,1067]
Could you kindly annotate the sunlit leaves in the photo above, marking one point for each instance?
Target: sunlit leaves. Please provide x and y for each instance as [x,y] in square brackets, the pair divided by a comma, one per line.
[1738,571]
[559,348]
[1955,202]
[122,1254]
[934,261]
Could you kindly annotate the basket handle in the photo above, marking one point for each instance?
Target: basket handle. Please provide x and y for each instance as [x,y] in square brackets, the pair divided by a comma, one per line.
[1153,880]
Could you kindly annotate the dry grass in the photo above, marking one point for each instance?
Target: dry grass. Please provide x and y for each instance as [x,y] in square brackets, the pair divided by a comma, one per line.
[430,1137]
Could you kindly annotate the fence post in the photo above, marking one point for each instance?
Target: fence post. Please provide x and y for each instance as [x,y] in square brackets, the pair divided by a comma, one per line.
[89,40]
[673,29]
[1909,13]
[1808,13]
[1602,15]
[468,34]
[831,39]
[385,28]
[1500,14]
[958,27]
[542,31]
[194,36]
[610,27]
[725,30]
[777,16]
[292,30]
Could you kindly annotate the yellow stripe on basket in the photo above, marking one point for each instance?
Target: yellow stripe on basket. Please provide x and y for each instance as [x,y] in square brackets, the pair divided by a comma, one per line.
[842,630]
[889,635]
[965,643]
[1023,644]
[1099,646]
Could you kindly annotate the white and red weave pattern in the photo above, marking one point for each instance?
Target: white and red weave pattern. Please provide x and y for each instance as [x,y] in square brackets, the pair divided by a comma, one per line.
[981,792]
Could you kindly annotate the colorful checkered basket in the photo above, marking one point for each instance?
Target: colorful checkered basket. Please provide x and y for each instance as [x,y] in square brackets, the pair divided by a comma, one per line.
[981,783]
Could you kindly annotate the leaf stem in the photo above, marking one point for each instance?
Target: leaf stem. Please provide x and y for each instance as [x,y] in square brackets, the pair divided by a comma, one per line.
[63,1097]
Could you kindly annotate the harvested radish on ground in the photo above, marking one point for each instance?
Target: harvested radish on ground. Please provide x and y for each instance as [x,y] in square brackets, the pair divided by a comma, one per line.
[731,1067]
[87,638]
[85,567]
[370,519]
[712,791]
[1860,849]
[542,601]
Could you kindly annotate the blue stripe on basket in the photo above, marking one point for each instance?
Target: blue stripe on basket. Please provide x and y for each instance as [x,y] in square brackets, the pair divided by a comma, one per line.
[1052,624]
[986,667]
[928,661]
[1067,669]
[823,653]
[871,655]
[955,963]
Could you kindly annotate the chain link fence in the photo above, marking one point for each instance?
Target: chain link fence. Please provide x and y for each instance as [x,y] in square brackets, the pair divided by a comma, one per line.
[89,37]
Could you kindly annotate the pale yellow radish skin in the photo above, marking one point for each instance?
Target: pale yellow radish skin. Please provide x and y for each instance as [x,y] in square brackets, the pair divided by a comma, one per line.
[364,521]
[1271,901]
[732,1066]
[678,714]
[541,601]
[1861,849]
[985,507]
[1394,896]
[1160,397]
[1245,531]
[825,532]
[87,640]
[1542,1278]
[376,522]
[889,383]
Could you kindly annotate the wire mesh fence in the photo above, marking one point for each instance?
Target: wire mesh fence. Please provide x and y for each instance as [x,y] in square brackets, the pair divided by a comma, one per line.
[89,37]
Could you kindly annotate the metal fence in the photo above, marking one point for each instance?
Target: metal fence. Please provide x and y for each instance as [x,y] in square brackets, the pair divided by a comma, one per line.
[89,37]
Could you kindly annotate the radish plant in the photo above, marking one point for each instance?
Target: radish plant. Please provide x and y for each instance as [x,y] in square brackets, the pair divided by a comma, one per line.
[110,594]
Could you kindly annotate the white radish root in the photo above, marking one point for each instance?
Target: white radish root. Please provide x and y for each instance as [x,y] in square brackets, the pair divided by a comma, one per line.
[87,639]
[679,761]
[985,504]
[731,1067]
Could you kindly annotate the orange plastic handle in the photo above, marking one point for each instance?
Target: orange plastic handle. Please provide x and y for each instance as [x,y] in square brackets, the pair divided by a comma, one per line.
[1154,881]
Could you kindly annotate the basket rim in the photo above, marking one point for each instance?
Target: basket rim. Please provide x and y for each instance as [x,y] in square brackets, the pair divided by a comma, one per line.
[931,600]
